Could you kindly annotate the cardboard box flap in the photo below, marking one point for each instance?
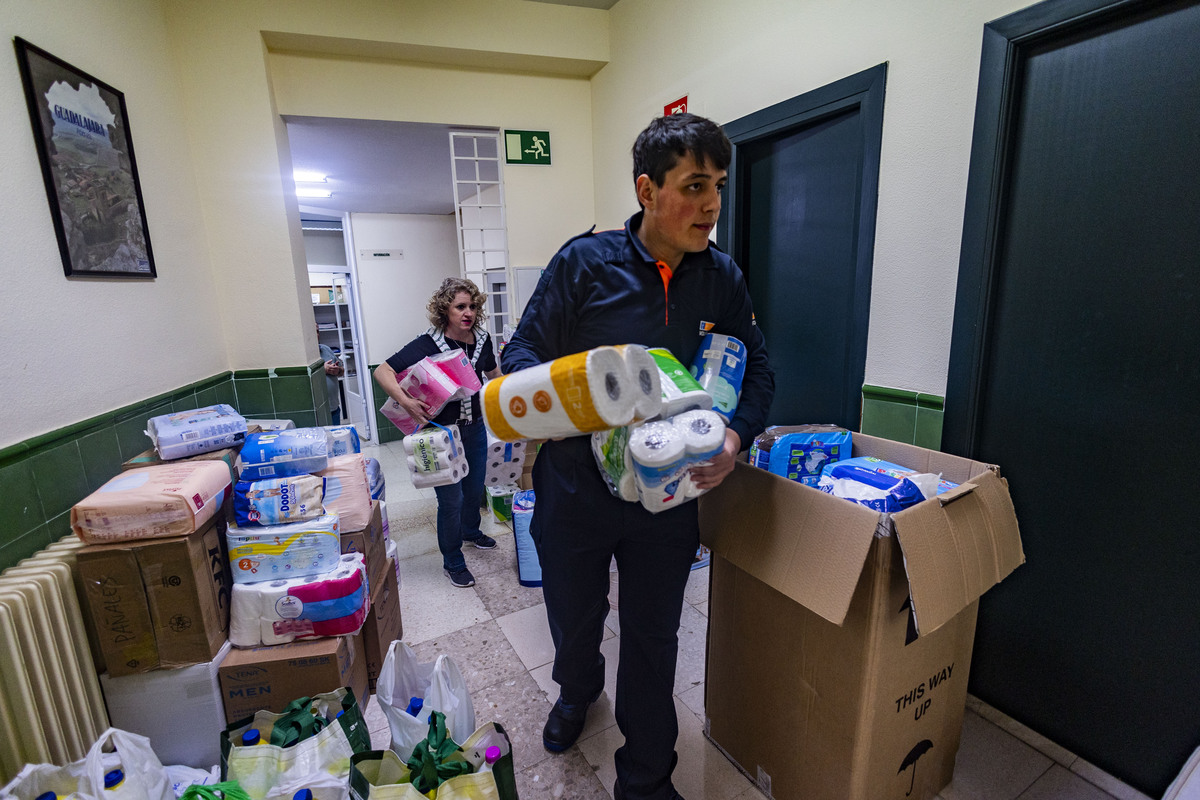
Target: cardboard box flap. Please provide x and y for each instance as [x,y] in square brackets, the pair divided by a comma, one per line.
[790,537]
[958,546]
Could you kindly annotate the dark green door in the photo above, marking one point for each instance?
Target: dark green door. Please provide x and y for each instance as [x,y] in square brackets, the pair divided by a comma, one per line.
[803,198]
[1079,374]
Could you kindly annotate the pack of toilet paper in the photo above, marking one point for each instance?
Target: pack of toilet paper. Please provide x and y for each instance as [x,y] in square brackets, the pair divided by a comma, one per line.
[879,484]
[348,491]
[284,551]
[332,603]
[505,461]
[280,454]
[458,369]
[611,450]
[664,451]
[435,456]
[278,501]
[152,502]
[800,452]
[201,430]
[719,367]
[680,391]
[343,440]
[435,381]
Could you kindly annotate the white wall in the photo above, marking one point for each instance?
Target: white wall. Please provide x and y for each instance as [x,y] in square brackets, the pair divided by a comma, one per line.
[79,347]
[393,293]
[734,59]
[326,248]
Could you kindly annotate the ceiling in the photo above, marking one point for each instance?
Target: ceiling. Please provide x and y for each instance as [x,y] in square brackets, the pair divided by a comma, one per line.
[374,165]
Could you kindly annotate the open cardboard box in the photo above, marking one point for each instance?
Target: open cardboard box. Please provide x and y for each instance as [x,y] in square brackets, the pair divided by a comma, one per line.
[840,638]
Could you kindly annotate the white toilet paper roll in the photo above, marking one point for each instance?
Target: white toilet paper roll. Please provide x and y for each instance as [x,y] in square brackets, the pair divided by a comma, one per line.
[251,608]
[703,432]
[645,380]
[428,464]
[436,438]
[656,444]
[575,394]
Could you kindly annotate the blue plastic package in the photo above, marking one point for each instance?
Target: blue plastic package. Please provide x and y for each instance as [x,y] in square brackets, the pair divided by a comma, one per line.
[880,484]
[800,452]
[529,567]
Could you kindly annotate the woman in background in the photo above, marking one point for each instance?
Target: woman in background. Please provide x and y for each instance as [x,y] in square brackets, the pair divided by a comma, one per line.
[456,312]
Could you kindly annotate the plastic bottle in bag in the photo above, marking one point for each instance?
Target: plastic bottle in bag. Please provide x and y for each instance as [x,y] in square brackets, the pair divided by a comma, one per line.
[114,779]
[303,794]
[490,758]
[251,737]
[414,706]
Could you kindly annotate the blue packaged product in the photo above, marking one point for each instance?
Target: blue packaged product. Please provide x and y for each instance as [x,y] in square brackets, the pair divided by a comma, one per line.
[719,367]
[295,550]
[375,479]
[880,484]
[343,440]
[529,567]
[200,430]
[278,501]
[800,452]
[280,454]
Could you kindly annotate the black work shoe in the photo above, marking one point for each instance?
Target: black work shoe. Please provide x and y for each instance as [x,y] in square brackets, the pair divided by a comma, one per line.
[564,724]
[619,795]
[484,542]
[462,578]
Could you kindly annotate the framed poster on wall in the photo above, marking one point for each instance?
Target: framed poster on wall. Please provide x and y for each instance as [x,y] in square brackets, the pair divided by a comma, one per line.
[81,129]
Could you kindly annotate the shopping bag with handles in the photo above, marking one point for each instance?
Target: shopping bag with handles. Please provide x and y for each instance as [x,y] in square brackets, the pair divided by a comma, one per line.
[306,746]
[438,683]
[142,776]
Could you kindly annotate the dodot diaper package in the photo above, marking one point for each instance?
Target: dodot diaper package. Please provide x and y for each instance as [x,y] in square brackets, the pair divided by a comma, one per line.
[284,551]
[201,430]
[435,456]
[719,367]
[332,603]
[280,454]
[278,501]
[663,453]
[152,502]
[800,452]
[880,484]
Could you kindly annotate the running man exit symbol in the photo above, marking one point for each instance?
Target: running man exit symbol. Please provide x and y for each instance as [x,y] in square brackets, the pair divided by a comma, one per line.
[527,147]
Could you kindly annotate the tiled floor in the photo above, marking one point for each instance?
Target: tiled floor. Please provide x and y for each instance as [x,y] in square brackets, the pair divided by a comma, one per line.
[497,634]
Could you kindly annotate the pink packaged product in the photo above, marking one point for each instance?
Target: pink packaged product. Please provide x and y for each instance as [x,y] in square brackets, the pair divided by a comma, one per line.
[435,380]
[458,368]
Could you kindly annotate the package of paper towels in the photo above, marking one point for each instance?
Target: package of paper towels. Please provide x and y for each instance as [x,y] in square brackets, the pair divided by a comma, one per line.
[611,450]
[435,456]
[280,454]
[347,491]
[663,452]
[680,391]
[201,430]
[284,551]
[719,367]
[278,501]
[569,396]
[645,379]
[332,603]
[152,502]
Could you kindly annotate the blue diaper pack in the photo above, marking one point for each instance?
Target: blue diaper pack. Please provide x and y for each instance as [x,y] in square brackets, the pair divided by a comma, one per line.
[800,452]
[879,484]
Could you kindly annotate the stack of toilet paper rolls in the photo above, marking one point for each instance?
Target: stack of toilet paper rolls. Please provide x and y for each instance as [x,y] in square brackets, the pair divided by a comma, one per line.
[435,456]
[504,462]
[663,452]
[595,390]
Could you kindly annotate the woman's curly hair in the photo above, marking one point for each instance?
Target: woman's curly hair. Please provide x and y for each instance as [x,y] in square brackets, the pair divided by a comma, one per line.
[439,304]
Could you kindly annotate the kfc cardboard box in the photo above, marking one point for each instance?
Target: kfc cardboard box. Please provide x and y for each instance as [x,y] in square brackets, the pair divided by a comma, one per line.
[840,638]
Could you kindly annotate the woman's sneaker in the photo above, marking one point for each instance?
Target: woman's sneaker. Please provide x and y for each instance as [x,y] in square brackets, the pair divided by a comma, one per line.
[484,542]
[462,578]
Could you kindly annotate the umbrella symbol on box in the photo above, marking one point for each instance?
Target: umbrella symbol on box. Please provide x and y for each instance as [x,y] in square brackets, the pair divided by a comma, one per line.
[921,748]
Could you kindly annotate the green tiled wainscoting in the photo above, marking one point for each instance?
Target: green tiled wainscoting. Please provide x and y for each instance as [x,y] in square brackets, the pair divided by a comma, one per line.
[41,478]
[387,431]
[903,416]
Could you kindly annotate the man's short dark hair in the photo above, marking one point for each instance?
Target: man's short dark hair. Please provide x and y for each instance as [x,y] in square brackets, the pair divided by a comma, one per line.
[667,139]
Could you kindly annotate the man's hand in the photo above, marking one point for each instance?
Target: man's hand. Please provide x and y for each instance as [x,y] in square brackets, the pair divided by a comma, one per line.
[720,465]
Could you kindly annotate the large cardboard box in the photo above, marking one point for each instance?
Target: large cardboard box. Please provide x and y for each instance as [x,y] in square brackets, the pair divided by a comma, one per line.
[384,624]
[190,733]
[840,638]
[271,677]
[370,541]
[158,602]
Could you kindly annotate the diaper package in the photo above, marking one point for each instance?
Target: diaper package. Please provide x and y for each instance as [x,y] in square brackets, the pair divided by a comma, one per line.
[294,550]
[375,480]
[435,456]
[719,367]
[280,454]
[880,484]
[278,501]
[347,491]
[201,430]
[680,391]
[529,567]
[153,502]
[611,450]
[663,452]
[800,452]
[343,440]
[332,603]
[268,425]
[504,461]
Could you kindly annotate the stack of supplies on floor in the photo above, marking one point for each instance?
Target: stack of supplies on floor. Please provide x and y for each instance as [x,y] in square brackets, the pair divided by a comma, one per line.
[435,381]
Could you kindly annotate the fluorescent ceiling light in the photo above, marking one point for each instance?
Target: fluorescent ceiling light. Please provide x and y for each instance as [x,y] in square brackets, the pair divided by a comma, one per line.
[307,176]
[305,191]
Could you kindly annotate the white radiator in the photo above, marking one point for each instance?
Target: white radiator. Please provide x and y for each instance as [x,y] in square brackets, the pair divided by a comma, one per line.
[51,707]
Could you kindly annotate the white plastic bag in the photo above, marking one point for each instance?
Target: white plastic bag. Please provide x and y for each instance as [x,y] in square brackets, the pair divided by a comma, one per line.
[439,684]
[145,778]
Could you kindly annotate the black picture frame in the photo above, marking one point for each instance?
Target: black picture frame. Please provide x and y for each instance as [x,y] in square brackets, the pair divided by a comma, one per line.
[81,129]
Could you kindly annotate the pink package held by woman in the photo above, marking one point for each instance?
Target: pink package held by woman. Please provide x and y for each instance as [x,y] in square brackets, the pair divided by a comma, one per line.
[430,385]
[458,368]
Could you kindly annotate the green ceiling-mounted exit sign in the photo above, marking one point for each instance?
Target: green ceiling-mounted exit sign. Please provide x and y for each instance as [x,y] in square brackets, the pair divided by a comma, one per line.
[527,147]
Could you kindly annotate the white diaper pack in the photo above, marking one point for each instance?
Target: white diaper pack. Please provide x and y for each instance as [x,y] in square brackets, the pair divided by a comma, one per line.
[201,430]
[284,551]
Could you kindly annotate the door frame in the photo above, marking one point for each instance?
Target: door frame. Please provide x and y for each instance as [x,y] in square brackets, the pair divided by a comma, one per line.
[864,91]
[1005,46]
